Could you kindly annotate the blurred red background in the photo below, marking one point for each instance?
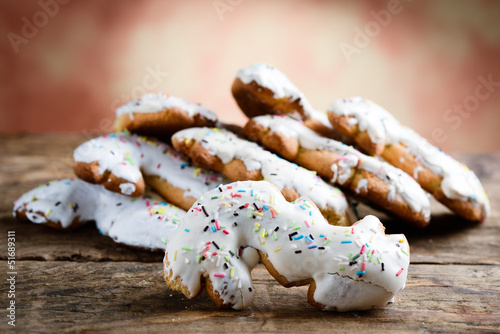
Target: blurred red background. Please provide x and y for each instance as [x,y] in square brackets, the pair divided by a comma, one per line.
[65,66]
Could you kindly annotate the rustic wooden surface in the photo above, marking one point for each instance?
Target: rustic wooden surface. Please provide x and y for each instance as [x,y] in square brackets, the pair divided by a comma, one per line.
[81,281]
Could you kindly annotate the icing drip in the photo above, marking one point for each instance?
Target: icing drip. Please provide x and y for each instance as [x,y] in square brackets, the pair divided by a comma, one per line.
[416,171]
[144,222]
[362,185]
[128,156]
[151,103]
[399,182]
[127,188]
[354,268]
[281,173]
[459,182]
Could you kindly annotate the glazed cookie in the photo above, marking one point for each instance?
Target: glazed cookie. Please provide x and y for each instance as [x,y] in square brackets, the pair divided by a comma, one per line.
[261,89]
[379,133]
[241,160]
[121,162]
[375,181]
[161,115]
[347,268]
[145,222]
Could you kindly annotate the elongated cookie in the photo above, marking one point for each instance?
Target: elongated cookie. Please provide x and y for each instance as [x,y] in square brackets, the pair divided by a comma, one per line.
[379,133]
[121,162]
[261,89]
[145,222]
[347,268]
[377,182]
[241,160]
[161,115]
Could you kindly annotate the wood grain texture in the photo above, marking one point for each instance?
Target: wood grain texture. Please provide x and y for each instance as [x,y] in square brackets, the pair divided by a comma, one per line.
[131,296]
[81,281]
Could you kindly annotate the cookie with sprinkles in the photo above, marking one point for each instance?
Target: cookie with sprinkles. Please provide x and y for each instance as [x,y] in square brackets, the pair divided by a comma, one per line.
[241,160]
[347,268]
[261,89]
[374,181]
[145,222]
[125,162]
[161,115]
[379,133]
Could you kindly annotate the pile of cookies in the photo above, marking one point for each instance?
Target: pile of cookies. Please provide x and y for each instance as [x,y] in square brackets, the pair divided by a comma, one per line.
[218,198]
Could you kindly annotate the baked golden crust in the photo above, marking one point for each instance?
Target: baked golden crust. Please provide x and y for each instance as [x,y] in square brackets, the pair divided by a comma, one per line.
[162,124]
[375,192]
[398,156]
[89,172]
[236,170]
[255,100]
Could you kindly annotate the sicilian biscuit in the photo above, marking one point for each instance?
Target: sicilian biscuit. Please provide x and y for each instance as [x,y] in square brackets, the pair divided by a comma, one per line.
[161,115]
[121,162]
[144,222]
[379,133]
[347,268]
[375,181]
[241,160]
[261,89]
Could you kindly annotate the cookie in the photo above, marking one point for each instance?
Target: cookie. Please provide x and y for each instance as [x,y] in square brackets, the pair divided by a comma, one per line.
[124,163]
[261,89]
[161,115]
[379,133]
[347,268]
[145,222]
[241,160]
[377,182]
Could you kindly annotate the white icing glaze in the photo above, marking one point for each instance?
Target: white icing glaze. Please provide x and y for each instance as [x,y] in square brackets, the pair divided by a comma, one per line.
[354,268]
[271,78]
[362,185]
[275,170]
[144,222]
[399,182]
[416,171]
[459,182]
[152,103]
[126,156]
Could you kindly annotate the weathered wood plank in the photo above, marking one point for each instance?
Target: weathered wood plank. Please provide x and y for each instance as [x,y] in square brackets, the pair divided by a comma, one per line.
[130,296]
[453,284]
[29,160]
[42,243]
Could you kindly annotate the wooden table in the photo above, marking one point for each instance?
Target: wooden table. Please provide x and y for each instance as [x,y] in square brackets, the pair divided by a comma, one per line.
[83,282]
